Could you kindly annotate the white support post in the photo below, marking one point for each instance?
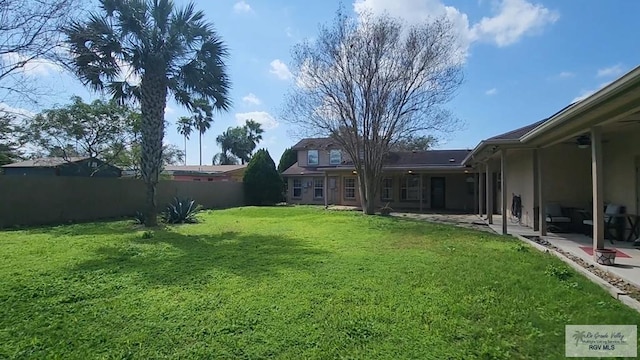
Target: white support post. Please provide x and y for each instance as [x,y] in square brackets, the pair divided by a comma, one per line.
[489,185]
[503,190]
[598,188]
[542,216]
[536,198]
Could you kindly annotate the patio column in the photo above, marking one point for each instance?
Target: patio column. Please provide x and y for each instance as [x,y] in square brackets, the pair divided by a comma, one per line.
[598,188]
[480,188]
[503,189]
[326,189]
[420,193]
[539,187]
[489,185]
[536,222]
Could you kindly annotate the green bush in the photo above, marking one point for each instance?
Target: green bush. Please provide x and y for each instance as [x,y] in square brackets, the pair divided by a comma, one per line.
[262,182]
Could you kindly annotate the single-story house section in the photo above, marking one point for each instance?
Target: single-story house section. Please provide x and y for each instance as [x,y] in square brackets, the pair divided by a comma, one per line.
[233,173]
[57,166]
[579,160]
[419,180]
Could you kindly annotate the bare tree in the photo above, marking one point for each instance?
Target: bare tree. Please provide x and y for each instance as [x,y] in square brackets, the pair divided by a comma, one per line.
[371,82]
[29,36]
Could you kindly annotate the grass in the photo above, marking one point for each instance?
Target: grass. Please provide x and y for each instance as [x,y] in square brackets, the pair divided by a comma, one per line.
[287,283]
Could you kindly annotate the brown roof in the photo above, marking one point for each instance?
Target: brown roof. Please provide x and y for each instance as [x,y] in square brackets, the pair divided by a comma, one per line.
[314,143]
[517,133]
[297,170]
[45,162]
[204,168]
[435,158]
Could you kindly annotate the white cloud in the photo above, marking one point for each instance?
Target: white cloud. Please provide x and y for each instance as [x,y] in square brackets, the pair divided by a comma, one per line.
[280,69]
[586,93]
[35,67]
[512,19]
[252,99]
[268,122]
[288,31]
[242,7]
[492,91]
[19,113]
[169,110]
[566,74]
[614,70]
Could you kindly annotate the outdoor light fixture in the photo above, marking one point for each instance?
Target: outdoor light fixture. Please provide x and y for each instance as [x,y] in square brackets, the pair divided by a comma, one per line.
[354,172]
[410,171]
[583,142]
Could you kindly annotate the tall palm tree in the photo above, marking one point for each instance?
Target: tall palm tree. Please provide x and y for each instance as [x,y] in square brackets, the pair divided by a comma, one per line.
[184,128]
[170,50]
[202,119]
[224,158]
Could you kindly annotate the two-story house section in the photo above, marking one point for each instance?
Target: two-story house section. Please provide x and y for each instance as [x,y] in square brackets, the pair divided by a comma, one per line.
[419,180]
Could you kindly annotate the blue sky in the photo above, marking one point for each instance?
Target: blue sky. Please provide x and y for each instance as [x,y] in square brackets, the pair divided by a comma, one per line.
[525,60]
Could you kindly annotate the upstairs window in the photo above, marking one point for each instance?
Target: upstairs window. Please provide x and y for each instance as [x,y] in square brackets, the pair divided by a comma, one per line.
[312,157]
[335,157]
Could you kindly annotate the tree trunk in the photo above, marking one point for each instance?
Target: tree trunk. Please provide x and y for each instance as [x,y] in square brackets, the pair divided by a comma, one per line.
[153,98]
[185,151]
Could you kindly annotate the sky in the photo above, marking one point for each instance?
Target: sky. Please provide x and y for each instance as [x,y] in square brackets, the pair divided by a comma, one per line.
[525,60]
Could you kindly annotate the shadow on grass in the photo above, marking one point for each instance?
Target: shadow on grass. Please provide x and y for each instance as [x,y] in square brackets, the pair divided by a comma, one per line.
[120,226]
[172,258]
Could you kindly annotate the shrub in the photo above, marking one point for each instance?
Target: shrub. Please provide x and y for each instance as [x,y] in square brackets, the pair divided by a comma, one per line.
[139,217]
[181,211]
[262,182]
[558,272]
[386,210]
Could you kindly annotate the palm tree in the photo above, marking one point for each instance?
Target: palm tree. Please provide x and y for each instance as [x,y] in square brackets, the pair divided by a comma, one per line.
[184,128]
[254,133]
[170,50]
[224,158]
[202,119]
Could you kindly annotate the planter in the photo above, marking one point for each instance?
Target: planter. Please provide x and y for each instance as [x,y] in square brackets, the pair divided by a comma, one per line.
[605,256]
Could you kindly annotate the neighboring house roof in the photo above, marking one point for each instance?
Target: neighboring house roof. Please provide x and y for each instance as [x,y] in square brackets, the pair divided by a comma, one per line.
[45,162]
[297,170]
[204,169]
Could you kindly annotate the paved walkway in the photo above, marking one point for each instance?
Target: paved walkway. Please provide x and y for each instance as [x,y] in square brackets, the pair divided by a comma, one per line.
[469,221]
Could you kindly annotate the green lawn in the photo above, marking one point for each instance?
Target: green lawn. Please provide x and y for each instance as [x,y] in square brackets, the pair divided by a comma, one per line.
[289,283]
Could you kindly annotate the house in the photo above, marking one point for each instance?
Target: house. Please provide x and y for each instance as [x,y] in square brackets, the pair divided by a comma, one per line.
[234,173]
[57,166]
[420,180]
[583,157]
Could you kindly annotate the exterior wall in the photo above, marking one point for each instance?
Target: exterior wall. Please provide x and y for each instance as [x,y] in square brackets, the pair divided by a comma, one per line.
[520,182]
[621,156]
[458,196]
[40,200]
[332,191]
[567,175]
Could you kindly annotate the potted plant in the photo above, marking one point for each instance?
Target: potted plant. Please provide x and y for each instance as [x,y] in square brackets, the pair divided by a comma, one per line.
[605,256]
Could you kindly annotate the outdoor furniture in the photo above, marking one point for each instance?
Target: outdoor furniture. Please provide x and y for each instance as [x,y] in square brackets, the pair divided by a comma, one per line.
[556,218]
[612,213]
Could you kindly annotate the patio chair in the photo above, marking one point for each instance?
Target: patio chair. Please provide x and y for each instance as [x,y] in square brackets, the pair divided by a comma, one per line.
[556,219]
[609,211]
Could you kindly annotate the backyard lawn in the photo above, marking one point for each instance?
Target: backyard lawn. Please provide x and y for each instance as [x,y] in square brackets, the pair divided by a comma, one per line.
[287,283]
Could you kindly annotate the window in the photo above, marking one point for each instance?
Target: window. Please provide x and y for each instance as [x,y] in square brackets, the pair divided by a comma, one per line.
[297,188]
[335,157]
[312,157]
[387,189]
[410,188]
[349,188]
[318,188]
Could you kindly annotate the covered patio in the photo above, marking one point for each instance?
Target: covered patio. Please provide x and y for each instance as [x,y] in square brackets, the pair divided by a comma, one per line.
[581,159]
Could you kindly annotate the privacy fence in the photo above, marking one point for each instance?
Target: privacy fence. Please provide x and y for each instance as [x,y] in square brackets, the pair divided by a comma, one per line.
[54,200]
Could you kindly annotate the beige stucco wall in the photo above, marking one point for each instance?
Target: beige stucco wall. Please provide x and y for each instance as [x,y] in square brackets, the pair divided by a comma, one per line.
[42,200]
[567,175]
[621,151]
[519,177]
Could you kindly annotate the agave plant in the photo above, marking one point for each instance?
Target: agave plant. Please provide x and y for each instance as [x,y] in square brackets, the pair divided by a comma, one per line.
[181,211]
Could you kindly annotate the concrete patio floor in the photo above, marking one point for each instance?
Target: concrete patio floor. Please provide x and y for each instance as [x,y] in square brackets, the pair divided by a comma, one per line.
[627,268]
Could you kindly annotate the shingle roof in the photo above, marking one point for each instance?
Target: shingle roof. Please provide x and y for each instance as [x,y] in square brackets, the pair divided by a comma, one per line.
[45,162]
[297,170]
[427,158]
[517,133]
[203,168]
[313,143]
